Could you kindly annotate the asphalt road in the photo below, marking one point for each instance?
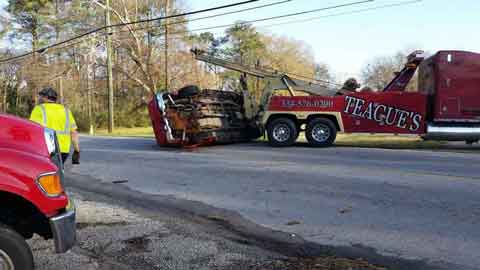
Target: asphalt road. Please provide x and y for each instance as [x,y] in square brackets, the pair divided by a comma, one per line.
[410,204]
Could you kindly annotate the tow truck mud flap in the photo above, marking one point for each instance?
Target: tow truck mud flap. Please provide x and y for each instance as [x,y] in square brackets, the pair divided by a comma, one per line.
[64,230]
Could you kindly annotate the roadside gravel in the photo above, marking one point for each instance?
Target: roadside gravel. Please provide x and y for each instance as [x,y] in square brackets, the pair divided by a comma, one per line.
[113,237]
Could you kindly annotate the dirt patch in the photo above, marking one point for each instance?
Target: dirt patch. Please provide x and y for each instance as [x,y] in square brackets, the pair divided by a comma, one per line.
[327,263]
[83,225]
[136,244]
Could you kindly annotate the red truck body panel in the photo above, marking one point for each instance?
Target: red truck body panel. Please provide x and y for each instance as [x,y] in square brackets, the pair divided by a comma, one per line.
[24,157]
[383,112]
[457,86]
[158,124]
[17,133]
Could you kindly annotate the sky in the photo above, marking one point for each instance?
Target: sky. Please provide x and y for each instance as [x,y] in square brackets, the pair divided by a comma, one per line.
[346,43]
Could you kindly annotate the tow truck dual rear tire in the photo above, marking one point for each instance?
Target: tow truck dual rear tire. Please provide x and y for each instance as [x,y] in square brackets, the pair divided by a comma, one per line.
[321,132]
[282,132]
[14,251]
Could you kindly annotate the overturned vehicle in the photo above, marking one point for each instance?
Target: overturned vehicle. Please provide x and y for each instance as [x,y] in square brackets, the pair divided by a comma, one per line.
[193,117]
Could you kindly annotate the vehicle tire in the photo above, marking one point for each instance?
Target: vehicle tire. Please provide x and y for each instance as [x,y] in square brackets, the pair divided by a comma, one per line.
[14,251]
[321,132]
[188,91]
[470,142]
[282,132]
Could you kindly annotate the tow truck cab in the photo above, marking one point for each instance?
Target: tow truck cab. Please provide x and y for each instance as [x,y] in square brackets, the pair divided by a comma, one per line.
[32,197]
[451,80]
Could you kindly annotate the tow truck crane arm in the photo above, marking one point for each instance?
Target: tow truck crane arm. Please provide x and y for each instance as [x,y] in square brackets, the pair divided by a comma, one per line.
[202,56]
[277,79]
[402,78]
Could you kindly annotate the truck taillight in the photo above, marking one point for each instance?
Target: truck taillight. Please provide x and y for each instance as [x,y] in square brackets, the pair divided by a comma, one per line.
[51,184]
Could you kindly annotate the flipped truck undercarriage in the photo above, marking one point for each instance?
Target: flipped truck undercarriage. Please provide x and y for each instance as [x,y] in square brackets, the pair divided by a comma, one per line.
[198,117]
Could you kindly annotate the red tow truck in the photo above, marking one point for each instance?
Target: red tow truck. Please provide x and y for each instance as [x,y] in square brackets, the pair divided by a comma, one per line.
[446,105]
[32,197]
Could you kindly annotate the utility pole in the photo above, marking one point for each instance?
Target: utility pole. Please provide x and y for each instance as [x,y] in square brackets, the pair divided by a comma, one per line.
[90,83]
[57,39]
[91,130]
[167,6]
[4,98]
[111,125]
[60,88]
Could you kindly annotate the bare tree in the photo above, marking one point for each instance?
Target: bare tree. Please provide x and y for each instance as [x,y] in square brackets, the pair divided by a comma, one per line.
[143,53]
[381,70]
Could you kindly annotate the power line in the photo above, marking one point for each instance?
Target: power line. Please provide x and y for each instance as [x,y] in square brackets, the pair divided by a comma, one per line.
[125,24]
[404,3]
[190,13]
[258,20]
[210,17]
[173,23]
[264,19]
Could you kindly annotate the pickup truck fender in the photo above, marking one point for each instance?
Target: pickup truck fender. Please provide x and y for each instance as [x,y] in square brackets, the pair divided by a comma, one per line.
[18,175]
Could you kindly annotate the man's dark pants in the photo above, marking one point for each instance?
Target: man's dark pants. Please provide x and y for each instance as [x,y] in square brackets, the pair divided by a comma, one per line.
[64,157]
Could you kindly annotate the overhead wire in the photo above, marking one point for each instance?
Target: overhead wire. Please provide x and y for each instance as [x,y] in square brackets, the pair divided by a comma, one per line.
[270,18]
[125,24]
[404,3]
[258,20]
[41,50]
[338,14]
[229,13]
[264,19]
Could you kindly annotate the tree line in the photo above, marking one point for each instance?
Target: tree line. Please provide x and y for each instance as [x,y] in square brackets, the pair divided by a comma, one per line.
[140,54]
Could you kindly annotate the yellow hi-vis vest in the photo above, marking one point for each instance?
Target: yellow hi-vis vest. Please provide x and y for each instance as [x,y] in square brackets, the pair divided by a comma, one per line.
[59,118]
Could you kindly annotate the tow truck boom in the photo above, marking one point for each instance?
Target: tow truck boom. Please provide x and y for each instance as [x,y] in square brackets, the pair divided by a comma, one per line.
[275,79]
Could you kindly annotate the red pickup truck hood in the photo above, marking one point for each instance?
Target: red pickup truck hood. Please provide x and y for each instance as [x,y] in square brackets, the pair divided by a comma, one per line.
[22,135]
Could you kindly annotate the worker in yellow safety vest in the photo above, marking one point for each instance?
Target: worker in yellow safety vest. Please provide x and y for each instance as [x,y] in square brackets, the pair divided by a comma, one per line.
[56,116]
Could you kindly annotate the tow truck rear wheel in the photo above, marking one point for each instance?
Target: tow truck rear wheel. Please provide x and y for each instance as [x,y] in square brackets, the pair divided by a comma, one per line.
[321,132]
[14,251]
[282,132]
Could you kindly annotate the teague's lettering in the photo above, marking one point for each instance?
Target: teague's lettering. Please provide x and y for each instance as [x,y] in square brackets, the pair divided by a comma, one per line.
[383,114]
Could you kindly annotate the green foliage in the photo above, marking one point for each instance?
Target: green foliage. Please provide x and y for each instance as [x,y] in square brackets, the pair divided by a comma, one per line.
[245,43]
[123,118]
[31,15]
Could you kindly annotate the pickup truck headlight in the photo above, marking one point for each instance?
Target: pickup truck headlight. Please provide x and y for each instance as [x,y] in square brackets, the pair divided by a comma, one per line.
[50,141]
[51,184]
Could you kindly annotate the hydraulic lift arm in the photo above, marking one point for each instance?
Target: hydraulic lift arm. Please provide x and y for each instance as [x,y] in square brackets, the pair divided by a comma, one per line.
[402,78]
[201,56]
[288,81]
